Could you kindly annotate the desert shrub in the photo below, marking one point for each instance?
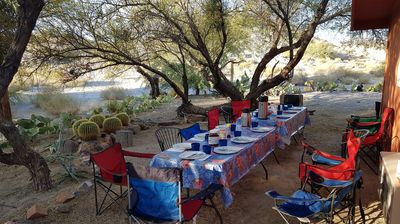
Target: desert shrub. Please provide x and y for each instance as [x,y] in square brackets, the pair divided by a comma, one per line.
[375,88]
[243,84]
[113,93]
[56,103]
[286,88]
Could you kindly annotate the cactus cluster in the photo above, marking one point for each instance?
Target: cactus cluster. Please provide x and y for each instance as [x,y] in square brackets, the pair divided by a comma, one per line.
[124,118]
[88,131]
[76,125]
[112,124]
[98,119]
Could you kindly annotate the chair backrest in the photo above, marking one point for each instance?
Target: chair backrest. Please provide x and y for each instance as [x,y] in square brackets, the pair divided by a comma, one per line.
[111,163]
[155,193]
[237,108]
[168,136]
[189,132]
[213,118]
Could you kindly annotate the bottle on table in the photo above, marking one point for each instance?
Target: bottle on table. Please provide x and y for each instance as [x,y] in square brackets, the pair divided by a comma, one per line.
[263,107]
[213,137]
[246,117]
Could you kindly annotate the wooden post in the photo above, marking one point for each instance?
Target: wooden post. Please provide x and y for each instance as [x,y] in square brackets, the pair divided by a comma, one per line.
[124,137]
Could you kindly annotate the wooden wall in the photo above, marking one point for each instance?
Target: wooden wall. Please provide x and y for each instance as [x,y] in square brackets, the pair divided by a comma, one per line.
[391,88]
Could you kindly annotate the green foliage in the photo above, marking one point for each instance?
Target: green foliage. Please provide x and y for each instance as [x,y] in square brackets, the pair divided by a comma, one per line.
[113,93]
[97,110]
[243,84]
[88,131]
[98,119]
[37,125]
[76,125]
[124,118]
[375,88]
[321,50]
[286,88]
[112,124]
[56,103]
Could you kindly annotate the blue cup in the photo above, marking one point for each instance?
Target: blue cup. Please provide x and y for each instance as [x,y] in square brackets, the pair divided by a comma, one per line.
[290,105]
[233,127]
[223,142]
[254,124]
[206,137]
[238,133]
[207,149]
[280,112]
[195,146]
[285,107]
[255,113]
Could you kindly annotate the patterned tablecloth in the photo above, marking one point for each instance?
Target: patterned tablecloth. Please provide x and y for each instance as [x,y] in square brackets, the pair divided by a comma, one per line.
[229,169]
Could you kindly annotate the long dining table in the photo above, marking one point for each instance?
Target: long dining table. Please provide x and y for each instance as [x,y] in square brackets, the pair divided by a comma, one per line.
[227,169]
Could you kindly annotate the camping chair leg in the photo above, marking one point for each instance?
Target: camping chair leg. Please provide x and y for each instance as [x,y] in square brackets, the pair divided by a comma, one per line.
[265,170]
[95,197]
[276,158]
[283,217]
[216,210]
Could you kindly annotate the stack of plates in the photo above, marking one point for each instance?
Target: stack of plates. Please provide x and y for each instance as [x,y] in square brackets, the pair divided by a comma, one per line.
[192,155]
[226,150]
[243,139]
[262,129]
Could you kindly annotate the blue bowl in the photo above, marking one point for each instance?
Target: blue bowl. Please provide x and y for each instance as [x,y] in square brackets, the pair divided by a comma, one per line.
[207,149]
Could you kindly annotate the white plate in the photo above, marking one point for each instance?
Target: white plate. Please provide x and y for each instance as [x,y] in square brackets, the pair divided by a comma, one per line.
[262,129]
[227,149]
[184,145]
[199,137]
[243,139]
[192,155]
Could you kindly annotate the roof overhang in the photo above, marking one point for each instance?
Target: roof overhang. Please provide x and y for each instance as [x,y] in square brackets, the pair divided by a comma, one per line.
[371,14]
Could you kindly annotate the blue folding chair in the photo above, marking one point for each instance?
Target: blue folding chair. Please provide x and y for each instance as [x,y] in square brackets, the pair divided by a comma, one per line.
[307,206]
[190,132]
[155,196]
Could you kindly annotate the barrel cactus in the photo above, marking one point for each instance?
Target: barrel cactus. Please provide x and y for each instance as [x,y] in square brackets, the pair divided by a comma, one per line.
[124,118]
[112,124]
[98,119]
[88,131]
[76,125]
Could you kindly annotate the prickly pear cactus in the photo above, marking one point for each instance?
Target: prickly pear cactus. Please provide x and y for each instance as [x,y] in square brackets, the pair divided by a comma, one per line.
[112,124]
[98,119]
[124,118]
[88,131]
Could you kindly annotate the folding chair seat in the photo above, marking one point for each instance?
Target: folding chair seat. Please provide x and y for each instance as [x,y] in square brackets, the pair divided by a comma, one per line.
[168,136]
[155,195]
[305,206]
[213,118]
[374,143]
[111,171]
[237,108]
[189,132]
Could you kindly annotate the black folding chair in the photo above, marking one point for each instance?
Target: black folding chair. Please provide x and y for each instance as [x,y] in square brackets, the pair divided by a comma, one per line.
[227,113]
[168,136]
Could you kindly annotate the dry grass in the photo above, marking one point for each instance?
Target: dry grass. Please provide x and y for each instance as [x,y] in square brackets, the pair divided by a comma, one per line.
[113,93]
[56,103]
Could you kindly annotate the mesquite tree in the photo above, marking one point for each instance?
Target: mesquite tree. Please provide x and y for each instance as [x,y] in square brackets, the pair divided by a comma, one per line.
[206,34]
[27,14]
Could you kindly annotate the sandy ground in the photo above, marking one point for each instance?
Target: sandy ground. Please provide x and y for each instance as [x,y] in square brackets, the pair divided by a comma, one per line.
[250,203]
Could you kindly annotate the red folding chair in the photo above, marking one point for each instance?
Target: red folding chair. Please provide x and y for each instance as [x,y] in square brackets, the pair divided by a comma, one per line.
[111,171]
[376,142]
[213,118]
[237,108]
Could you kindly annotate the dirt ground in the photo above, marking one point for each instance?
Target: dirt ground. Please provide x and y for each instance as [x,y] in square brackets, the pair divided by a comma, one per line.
[250,203]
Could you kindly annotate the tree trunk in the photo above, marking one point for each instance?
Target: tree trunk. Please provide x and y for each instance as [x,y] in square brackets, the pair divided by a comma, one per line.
[153,82]
[28,13]
[189,108]
[197,91]
[5,109]
[23,155]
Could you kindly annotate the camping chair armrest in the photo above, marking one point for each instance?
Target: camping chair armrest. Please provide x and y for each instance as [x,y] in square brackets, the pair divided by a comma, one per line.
[275,195]
[207,193]
[365,124]
[138,154]
[361,117]
[307,149]
[328,169]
